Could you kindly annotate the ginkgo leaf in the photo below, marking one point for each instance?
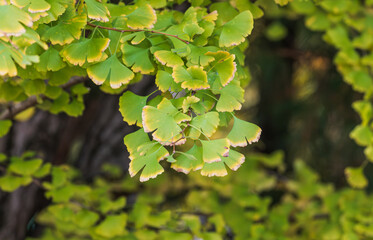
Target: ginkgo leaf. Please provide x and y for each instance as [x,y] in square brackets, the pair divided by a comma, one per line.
[206,123]
[165,82]
[197,55]
[5,127]
[234,160]
[214,169]
[231,97]
[138,58]
[235,31]
[214,150]
[356,177]
[86,50]
[164,121]
[50,60]
[112,70]
[12,19]
[9,55]
[225,67]
[68,28]
[134,140]
[190,160]
[136,37]
[168,58]
[58,7]
[193,78]
[142,17]
[243,132]
[188,101]
[33,6]
[97,10]
[130,106]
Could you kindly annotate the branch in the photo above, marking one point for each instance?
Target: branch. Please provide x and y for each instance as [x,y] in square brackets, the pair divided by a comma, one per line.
[137,30]
[32,101]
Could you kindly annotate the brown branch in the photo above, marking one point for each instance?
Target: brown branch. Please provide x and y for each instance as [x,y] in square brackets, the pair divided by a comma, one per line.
[137,30]
[32,101]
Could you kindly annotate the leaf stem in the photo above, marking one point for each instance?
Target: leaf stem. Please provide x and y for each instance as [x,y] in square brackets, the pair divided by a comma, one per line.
[137,30]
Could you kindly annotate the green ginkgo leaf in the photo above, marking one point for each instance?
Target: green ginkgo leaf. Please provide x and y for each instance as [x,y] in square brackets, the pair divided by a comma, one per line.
[165,82]
[112,226]
[68,28]
[235,31]
[112,70]
[190,160]
[33,6]
[214,169]
[58,7]
[134,140]
[234,160]
[363,135]
[355,177]
[197,55]
[193,78]
[12,19]
[9,55]
[206,123]
[243,132]
[231,97]
[224,67]
[138,58]
[142,17]
[130,106]
[188,101]
[149,163]
[50,60]
[168,58]
[97,10]
[86,50]
[9,183]
[164,120]
[5,127]
[214,150]
[18,166]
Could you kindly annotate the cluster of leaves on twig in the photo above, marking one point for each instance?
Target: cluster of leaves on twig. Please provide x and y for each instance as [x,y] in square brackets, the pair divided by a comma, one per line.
[197,58]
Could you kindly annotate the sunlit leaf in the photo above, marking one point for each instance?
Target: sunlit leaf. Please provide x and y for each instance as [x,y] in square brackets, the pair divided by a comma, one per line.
[130,106]
[164,120]
[206,123]
[168,58]
[33,6]
[165,82]
[12,19]
[231,97]
[188,101]
[97,10]
[190,160]
[87,50]
[243,132]
[142,17]
[112,70]
[355,177]
[137,57]
[193,78]
[214,150]
[235,31]
[225,67]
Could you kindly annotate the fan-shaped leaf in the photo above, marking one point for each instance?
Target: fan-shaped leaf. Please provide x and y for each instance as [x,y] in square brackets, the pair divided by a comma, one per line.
[243,132]
[207,123]
[113,225]
[18,166]
[231,97]
[86,50]
[50,60]
[235,31]
[164,121]
[193,78]
[190,160]
[214,169]
[188,101]
[214,150]
[165,82]
[5,127]
[33,6]
[168,58]
[355,177]
[142,17]
[12,19]
[68,28]
[138,58]
[97,10]
[224,66]
[234,159]
[112,70]
[130,106]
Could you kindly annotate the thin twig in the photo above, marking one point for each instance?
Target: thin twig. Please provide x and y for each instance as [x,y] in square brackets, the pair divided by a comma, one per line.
[137,30]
